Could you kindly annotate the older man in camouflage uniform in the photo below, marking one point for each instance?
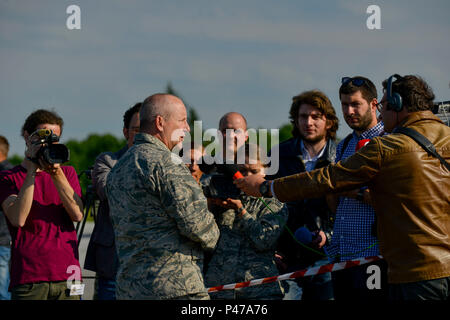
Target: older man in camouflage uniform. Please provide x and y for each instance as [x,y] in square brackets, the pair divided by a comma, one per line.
[160,216]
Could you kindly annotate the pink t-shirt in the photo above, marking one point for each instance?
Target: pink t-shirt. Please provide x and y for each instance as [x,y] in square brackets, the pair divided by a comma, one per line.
[46,245]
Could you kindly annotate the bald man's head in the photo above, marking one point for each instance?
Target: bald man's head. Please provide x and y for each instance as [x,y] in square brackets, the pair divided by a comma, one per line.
[164,117]
[233,120]
[159,104]
[233,128]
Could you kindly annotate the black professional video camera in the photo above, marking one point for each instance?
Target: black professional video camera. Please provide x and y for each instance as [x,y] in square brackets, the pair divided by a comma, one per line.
[51,152]
[220,184]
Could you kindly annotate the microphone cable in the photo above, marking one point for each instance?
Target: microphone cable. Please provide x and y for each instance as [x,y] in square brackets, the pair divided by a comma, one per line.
[282,221]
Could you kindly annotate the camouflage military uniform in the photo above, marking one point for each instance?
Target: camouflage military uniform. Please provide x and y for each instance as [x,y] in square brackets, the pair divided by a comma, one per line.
[161,223]
[246,250]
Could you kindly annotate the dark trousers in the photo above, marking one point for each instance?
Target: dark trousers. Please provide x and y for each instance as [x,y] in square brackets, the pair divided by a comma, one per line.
[318,287]
[436,289]
[106,289]
[357,283]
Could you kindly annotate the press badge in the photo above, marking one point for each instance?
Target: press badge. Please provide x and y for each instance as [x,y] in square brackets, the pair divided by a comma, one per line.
[77,289]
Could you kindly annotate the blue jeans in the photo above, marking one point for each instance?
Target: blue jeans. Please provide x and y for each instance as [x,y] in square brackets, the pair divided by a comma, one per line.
[106,289]
[5,255]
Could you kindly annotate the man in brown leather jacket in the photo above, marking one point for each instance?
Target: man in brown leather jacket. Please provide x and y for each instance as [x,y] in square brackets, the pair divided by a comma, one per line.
[410,190]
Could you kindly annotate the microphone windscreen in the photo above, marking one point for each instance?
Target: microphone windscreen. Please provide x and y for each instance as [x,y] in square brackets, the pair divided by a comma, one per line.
[361,143]
[303,235]
[230,170]
[237,175]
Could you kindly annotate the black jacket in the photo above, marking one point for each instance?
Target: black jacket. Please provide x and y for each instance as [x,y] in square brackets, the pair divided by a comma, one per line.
[311,213]
[101,255]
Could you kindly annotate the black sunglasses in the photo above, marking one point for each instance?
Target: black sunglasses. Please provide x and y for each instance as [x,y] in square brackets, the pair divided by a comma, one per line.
[355,81]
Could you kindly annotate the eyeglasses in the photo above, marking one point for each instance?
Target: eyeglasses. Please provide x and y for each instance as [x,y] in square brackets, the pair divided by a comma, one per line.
[380,105]
[355,81]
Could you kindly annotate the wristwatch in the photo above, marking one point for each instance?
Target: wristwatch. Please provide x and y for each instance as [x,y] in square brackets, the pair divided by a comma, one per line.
[264,189]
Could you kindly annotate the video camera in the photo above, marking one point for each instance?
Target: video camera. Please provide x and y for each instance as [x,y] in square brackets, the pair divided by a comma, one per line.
[51,152]
[220,184]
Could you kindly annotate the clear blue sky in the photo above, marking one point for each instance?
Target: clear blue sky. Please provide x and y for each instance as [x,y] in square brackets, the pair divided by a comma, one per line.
[247,56]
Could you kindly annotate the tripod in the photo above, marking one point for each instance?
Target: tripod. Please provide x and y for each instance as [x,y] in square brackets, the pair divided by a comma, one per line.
[90,206]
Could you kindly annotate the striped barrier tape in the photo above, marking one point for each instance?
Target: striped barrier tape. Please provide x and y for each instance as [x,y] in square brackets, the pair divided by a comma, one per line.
[298,274]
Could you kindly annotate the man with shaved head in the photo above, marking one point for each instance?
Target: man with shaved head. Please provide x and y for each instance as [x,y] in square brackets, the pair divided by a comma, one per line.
[159,213]
[233,127]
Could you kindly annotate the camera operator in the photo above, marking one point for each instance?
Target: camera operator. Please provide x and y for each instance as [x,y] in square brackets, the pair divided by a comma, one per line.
[233,132]
[41,199]
[249,231]
[233,135]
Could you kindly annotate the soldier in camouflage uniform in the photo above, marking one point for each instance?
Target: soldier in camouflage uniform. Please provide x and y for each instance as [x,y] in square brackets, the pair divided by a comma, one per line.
[246,249]
[159,213]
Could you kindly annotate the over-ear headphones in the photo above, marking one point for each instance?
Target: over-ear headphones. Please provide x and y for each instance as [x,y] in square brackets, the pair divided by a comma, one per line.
[394,100]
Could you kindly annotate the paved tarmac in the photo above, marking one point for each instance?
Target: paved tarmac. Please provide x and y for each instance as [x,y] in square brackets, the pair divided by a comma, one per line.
[87,275]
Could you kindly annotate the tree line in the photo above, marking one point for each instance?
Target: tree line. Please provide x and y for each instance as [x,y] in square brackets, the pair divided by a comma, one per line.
[84,152]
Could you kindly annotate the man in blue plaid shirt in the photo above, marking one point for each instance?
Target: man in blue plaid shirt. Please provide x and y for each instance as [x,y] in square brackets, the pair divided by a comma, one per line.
[354,233]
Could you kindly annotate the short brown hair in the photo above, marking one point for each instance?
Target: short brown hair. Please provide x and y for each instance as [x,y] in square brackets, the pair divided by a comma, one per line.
[367,89]
[319,100]
[416,94]
[41,116]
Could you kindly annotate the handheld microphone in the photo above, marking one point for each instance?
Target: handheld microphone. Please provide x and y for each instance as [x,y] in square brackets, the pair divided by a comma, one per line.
[232,170]
[303,235]
[361,143]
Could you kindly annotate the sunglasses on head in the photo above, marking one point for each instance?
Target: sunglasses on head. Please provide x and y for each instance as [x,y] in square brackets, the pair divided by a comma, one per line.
[355,81]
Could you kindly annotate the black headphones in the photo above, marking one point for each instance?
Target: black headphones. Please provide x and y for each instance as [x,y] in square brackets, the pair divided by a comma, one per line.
[394,100]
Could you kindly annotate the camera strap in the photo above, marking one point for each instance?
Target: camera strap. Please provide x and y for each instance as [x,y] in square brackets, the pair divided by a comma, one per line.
[426,144]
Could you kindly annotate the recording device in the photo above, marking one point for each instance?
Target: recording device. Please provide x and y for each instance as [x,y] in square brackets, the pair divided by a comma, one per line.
[50,152]
[220,184]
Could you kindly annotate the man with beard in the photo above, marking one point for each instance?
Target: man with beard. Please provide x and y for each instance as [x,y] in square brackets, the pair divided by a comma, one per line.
[408,174]
[315,124]
[354,229]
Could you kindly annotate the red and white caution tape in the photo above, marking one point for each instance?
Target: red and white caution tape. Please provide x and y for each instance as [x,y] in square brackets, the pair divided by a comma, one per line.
[298,274]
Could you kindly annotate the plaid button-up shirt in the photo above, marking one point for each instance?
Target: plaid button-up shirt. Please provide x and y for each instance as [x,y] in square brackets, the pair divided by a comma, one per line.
[353,237]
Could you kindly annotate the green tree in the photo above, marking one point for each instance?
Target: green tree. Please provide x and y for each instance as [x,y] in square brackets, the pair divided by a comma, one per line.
[285,132]
[192,114]
[83,153]
[15,160]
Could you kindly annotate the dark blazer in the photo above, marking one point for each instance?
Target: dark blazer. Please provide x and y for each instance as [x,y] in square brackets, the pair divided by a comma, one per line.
[101,255]
[312,213]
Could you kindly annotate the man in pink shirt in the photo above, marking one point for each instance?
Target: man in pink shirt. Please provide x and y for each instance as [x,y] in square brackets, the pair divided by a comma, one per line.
[41,201]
